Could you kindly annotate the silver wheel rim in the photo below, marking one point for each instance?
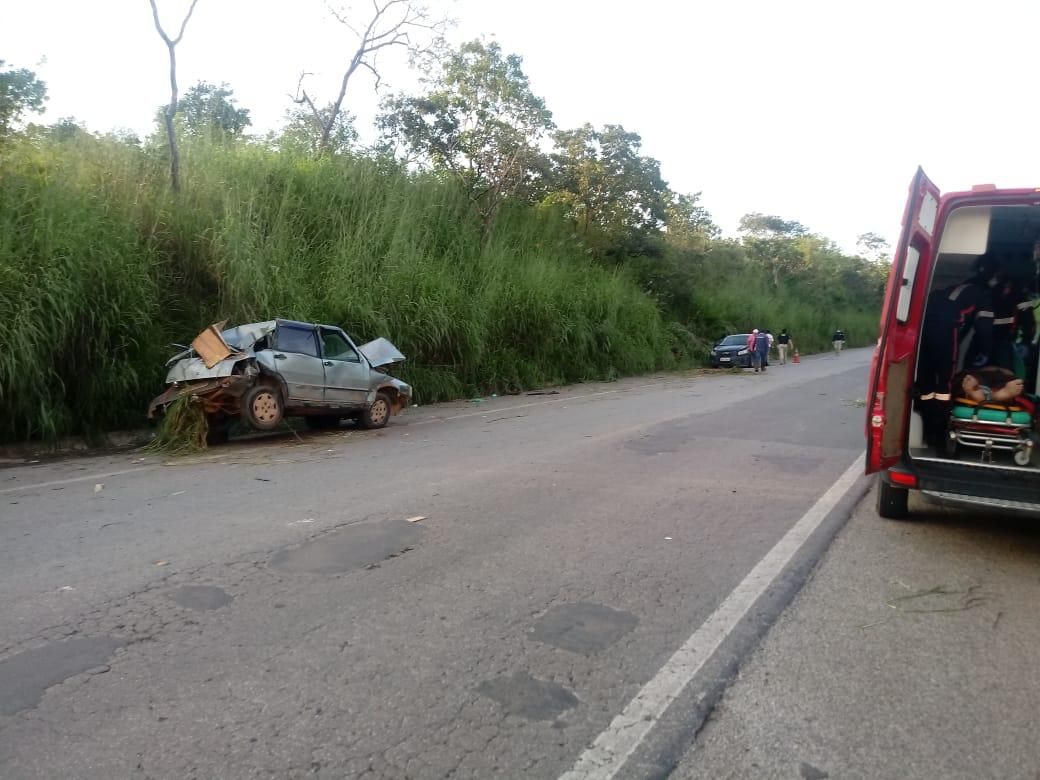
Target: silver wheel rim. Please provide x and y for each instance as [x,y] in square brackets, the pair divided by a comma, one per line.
[379,412]
[265,407]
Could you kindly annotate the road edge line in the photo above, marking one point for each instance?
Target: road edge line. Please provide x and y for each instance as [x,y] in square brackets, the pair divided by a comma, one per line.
[608,753]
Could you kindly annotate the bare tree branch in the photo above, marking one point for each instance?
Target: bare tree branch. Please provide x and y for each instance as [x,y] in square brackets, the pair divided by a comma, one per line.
[391,25]
[171,109]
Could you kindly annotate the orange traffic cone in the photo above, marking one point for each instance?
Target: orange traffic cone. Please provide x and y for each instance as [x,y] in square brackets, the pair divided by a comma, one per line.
[796,359]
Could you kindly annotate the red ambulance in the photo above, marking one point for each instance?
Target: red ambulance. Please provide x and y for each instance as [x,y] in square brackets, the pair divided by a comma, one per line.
[942,240]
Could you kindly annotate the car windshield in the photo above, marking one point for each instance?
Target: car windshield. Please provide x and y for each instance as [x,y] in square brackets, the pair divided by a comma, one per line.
[731,341]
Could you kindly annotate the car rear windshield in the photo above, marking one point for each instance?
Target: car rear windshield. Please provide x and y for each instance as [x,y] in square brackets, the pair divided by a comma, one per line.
[730,341]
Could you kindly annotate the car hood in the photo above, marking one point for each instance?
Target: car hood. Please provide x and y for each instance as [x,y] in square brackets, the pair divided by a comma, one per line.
[381,353]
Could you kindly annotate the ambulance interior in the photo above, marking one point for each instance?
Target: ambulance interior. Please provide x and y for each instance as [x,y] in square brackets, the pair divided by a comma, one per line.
[1007,233]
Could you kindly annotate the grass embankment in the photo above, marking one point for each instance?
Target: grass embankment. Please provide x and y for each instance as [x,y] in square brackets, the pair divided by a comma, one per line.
[101,268]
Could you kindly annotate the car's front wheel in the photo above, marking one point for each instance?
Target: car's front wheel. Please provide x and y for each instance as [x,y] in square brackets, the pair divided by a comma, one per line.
[263,407]
[377,415]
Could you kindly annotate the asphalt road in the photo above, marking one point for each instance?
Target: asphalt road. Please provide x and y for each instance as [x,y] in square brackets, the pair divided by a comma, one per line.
[910,655]
[268,610]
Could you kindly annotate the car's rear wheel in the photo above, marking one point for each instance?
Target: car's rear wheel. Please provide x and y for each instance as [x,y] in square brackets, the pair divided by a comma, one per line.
[892,502]
[263,407]
[378,414]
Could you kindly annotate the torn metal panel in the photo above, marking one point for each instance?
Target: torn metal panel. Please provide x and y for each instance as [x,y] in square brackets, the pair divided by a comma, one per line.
[195,369]
[381,353]
[245,336]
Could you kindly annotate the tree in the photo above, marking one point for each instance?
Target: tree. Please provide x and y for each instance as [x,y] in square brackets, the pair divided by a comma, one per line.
[209,111]
[607,186]
[480,121]
[394,24]
[20,91]
[875,246]
[302,132]
[773,242]
[764,225]
[171,108]
[66,129]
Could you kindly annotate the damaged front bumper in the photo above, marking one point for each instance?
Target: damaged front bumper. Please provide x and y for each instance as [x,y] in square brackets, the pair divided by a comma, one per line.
[217,396]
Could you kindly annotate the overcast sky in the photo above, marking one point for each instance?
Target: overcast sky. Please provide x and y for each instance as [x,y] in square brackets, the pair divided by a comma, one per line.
[815,111]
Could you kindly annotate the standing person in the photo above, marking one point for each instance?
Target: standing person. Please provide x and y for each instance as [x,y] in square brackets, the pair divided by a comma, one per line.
[762,347]
[838,340]
[783,343]
[1012,313]
[752,348]
[769,335]
[950,314]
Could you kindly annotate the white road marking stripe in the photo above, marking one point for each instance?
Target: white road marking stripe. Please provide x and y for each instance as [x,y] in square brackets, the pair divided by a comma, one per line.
[71,480]
[605,757]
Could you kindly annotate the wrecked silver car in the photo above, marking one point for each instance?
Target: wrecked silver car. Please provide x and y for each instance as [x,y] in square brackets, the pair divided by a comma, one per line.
[266,371]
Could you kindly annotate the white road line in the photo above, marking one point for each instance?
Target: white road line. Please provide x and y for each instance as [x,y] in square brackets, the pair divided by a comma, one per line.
[605,757]
[71,480]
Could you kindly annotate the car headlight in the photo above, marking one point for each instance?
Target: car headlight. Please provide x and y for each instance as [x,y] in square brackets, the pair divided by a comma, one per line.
[742,352]
[714,352]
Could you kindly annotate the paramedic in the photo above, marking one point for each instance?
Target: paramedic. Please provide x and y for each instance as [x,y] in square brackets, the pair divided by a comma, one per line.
[1009,314]
[783,342]
[950,313]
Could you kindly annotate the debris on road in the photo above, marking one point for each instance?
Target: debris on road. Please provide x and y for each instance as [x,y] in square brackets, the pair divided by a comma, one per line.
[416,519]
[99,487]
[162,563]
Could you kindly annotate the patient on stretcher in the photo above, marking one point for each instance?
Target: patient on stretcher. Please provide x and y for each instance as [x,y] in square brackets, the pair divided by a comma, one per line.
[993,385]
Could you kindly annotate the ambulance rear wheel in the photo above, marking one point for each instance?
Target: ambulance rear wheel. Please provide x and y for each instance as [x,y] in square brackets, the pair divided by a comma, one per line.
[892,502]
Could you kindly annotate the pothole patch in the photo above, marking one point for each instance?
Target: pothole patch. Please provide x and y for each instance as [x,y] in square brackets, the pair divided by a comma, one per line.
[349,548]
[201,597]
[528,697]
[26,676]
[583,627]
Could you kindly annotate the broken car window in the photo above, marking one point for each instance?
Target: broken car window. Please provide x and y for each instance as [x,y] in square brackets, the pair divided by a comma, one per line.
[298,340]
[337,348]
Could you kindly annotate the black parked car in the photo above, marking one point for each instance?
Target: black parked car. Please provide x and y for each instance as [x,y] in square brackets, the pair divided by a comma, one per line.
[731,351]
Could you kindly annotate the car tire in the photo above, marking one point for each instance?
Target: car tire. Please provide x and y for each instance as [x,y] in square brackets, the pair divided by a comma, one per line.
[263,407]
[377,415]
[321,422]
[892,502]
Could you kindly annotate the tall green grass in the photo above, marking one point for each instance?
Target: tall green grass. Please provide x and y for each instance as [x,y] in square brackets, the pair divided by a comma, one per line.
[101,268]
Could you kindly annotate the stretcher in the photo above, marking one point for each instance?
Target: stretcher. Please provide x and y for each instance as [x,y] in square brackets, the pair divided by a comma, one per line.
[991,427]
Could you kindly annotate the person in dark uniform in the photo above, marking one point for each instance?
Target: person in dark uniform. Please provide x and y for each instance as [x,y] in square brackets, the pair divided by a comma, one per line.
[1010,317]
[950,314]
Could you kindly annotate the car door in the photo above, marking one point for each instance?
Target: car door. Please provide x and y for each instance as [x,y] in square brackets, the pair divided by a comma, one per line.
[297,360]
[894,361]
[346,372]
